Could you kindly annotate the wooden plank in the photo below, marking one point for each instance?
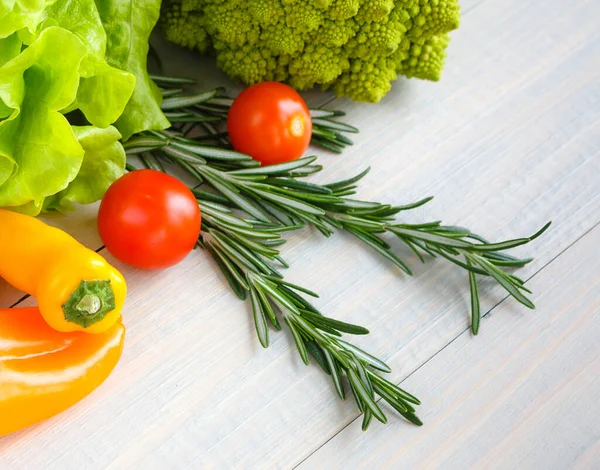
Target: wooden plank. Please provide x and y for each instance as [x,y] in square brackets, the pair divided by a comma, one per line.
[506,141]
[522,395]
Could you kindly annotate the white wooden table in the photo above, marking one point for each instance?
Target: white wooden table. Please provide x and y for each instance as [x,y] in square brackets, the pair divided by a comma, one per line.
[507,141]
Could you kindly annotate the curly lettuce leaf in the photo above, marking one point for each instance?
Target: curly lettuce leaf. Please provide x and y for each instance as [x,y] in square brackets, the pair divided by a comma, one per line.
[19,14]
[104,91]
[58,56]
[10,47]
[103,163]
[128,25]
[39,153]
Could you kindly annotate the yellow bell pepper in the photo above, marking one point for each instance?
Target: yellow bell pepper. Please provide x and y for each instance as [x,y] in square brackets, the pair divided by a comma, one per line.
[75,287]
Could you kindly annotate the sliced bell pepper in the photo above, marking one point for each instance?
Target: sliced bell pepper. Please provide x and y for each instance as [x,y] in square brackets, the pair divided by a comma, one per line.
[75,287]
[43,372]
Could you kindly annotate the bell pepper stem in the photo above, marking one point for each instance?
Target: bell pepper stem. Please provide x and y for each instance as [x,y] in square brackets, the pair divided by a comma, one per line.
[89,303]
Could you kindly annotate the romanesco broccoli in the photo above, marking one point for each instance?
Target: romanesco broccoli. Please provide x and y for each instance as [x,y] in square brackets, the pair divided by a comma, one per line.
[354,47]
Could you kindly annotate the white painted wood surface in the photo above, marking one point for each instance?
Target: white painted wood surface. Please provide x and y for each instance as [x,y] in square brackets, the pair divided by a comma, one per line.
[509,139]
[512,398]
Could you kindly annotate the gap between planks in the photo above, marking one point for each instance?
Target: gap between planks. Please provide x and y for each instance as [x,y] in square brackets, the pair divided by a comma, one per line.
[465,331]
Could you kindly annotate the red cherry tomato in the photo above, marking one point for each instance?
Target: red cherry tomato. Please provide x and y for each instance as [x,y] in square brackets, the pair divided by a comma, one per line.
[149,220]
[270,122]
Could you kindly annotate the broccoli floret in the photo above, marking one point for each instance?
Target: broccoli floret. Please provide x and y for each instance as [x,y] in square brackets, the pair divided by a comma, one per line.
[266,12]
[366,80]
[323,4]
[318,64]
[431,17]
[335,33]
[355,47]
[425,59]
[282,40]
[231,23]
[303,18]
[377,38]
[373,10]
[343,9]
[185,27]
[249,64]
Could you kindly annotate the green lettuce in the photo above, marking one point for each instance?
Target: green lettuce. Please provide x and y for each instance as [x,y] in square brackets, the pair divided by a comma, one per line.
[103,162]
[82,61]
[39,153]
[19,14]
[10,47]
[104,91]
[128,25]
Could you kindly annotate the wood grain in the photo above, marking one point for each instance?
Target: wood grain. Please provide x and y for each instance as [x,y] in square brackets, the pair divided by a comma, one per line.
[506,141]
[524,394]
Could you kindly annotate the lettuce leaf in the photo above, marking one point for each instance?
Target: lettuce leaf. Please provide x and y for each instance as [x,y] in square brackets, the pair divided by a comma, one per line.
[78,60]
[39,153]
[19,14]
[128,25]
[104,91]
[103,163]
[10,47]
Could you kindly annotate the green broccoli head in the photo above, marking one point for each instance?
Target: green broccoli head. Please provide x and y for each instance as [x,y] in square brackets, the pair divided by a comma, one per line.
[266,12]
[334,33]
[303,18]
[281,40]
[431,17]
[354,47]
[251,64]
[425,59]
[377,38]
[366,80]
[318,64]
[341,10]
[375,10]
[185,26]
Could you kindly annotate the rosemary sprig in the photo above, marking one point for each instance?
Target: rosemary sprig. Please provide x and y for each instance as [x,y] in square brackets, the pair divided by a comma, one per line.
[275,200]
[245,251]
[206,110]
[275,194]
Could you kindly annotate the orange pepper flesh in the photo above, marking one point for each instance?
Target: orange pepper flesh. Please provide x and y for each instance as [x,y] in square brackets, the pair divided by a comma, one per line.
[49,264]
[43,372]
